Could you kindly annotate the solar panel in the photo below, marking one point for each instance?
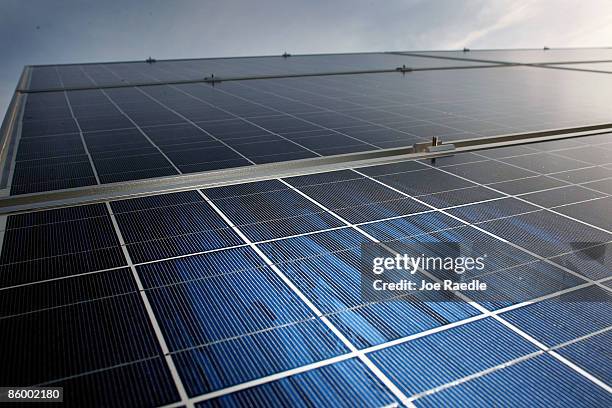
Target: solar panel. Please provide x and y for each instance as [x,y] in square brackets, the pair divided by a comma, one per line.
[125,73]
[250,293]
[528,56]
[80,138]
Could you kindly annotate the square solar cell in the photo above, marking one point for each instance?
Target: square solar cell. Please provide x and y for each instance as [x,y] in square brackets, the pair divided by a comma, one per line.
[225,306]
[545,163]
[424,182]
[56,293]
[52,177]
[526,185]
[57,246]
[504,207]
[361,200]
[536,381]
[593,262]
[157,229]
[566,317]
[459,197]
[176,134]
[585,175]
[410,226]
[197,267]
[273,214]
[91,336]
[208,368]
[450,355]
[489,172]
[591,355]
[605,186]
[94,123]
[347,383]
[50,146]
[522,283]
[189,156]
[588,155]
[373,323]
[561,196]
[546,233]
[36,128]
[596,212]
[146,383]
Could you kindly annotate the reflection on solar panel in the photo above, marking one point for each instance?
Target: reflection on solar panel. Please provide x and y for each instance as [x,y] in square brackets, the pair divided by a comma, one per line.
[243,293]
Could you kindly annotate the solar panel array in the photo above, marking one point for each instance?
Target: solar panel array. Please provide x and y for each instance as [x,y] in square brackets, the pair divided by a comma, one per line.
[81,138]
[249,294]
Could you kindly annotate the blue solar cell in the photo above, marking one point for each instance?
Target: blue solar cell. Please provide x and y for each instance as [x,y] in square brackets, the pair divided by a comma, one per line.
[546,233]
[459,197]
[56,293]
[288,213]
[594,262]
[545,163]
[375,323]
[361,200]
[221,307]
[449,355]
[348,383]
[34,128]
[59,266]
[87,342]
[410,226]
[489,171]
[312,245]
[209,368]
[144,383]
[162,222]
[535,382]
[522,283]
[493,209]
[54,216]
[198,267]
[592,355]
[595,212]
[561,196]
[423,182]
[557,320]
[57,239]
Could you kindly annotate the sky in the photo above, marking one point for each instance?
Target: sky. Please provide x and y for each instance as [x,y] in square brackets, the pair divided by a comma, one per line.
[54,31]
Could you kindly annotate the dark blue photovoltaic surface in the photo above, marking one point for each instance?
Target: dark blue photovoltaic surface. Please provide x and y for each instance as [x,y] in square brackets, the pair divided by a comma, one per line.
[345,384]
[558,320]
[357,199]
[144,383]
[161,130]
[169,225]
[592,355]
[212,366]
[451,354]
[58,243]
[535,382]
[90,336]
[276,213]
[225,306]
